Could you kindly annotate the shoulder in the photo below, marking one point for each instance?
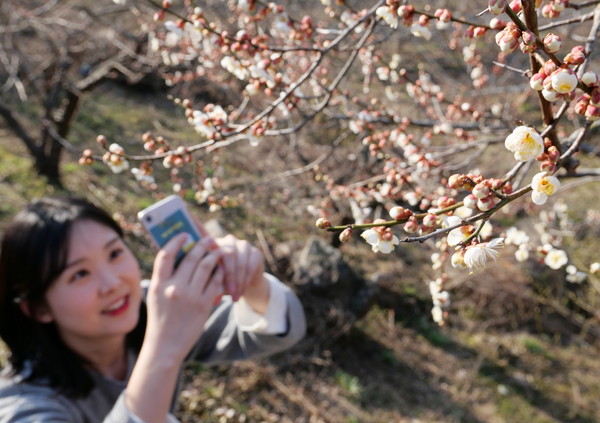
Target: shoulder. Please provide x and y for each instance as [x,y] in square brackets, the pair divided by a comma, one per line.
[29,402]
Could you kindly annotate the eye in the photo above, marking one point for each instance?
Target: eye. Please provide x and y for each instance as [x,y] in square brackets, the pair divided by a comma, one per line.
[79,275]
[116,253]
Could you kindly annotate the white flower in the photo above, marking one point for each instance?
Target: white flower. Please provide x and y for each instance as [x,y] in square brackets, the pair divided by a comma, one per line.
[244,5]
[552,42]
[550,95]
[477,255]
[594,268]
[555,259]
[543,186]
[522,253]
[421,31]
[115,161]
[590,79]
[385,13]
[525,143]
[564,81]
[574,275]
[437,314]
[378,244]
[516,236]
[121,2]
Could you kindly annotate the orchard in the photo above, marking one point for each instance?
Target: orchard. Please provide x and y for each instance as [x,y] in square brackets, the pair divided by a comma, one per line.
[433,121]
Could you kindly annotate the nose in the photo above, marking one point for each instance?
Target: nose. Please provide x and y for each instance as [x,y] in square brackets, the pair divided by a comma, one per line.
[109,280]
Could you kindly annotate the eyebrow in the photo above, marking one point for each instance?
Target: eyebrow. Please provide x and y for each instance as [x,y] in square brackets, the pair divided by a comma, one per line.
[106,246]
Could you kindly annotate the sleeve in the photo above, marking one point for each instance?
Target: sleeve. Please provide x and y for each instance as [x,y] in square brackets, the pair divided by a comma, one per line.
[121,414]
[224,339]
[35,406]
[273,321]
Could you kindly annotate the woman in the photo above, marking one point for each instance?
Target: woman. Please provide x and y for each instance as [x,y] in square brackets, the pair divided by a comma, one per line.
[85,347]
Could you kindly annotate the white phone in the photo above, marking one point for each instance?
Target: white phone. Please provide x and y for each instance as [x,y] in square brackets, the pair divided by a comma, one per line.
[167,218]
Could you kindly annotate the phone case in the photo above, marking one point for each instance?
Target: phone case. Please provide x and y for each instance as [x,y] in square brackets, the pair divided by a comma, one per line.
[167,218]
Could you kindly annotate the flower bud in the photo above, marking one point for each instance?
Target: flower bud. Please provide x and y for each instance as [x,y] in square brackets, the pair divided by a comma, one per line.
[345,235]
[592,113]
[485,204]
[323,223]
[581,104]
[411,226]
[575,58]
[529,37]
[496,23]
[481,190]
[398,213]
[470,202]
[551,96]
[101,139]
[537,81]
[430,220]
[552,43]
[553,153]
[590,79]
[496,7]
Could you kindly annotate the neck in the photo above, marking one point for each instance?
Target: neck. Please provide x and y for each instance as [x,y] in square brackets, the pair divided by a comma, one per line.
[109,358]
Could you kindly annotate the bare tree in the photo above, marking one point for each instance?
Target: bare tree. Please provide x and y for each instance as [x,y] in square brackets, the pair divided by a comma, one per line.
[51,54]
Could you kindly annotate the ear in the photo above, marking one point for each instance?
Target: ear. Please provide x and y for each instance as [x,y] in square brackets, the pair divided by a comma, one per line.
[40,313]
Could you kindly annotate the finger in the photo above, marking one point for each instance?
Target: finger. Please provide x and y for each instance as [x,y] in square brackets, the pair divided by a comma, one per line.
[192,258]
[229,266]
[205,271]
[164,262]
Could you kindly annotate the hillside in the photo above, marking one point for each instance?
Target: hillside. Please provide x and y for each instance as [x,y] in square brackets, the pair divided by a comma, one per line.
[512,351]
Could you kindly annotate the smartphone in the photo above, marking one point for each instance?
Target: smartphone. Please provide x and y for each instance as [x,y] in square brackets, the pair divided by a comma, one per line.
[167,218]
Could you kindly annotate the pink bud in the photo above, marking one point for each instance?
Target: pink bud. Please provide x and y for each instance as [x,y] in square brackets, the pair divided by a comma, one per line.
[430,220]
[592,112]
[496,6]
[575,58]
[581,105]
[496,23]
[481,191]
[411,226]
[590,79]
[345,235]
[470,201]
[516,6]
[398,213]
[529,38]
[537,81]
[485,204]
[548,166]
[323,223]
[552,42]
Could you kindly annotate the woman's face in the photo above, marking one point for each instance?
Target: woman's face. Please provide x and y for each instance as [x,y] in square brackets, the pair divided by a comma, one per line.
[97,297]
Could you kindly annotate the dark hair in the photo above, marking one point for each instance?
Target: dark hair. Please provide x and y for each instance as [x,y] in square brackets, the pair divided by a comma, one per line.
[33,254]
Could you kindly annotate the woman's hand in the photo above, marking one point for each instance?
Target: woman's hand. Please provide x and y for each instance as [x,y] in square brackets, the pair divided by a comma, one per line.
[180,300]
[244,268]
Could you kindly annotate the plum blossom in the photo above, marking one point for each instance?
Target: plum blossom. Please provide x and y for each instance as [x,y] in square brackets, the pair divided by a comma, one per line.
[420,31]
[543,185]
[458,235]
[477,255]
[377,240]
[564,81]
[552,43]
[555,259]
[594,268]
[496,7]
[574,275]
[114,158]
[522,253]
[525,143]
[387,15]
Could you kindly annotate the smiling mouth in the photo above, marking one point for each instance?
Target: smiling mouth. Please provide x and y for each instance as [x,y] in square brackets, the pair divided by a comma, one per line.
[118,307]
